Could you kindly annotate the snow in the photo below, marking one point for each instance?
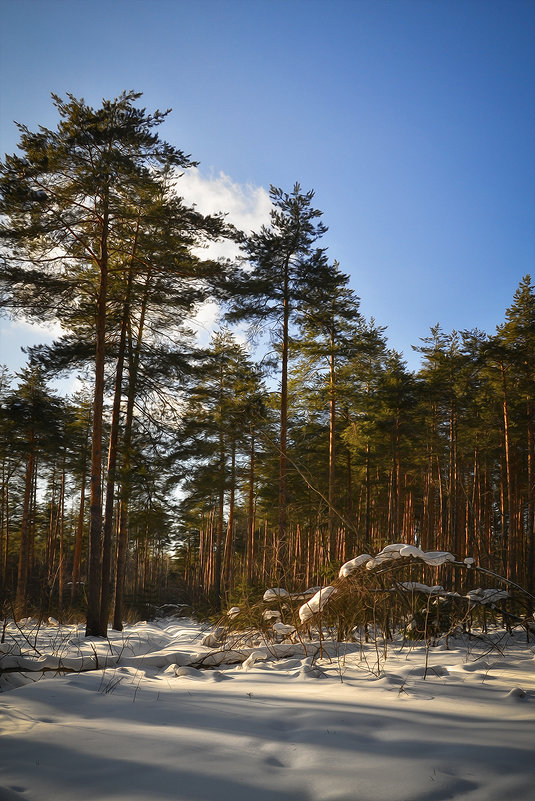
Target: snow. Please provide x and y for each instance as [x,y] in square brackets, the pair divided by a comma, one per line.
[316,603]
[352,565]
[417,586]
[397,550]
[283,629]
[271,614]
[275,593]
[303,721]
[486,596]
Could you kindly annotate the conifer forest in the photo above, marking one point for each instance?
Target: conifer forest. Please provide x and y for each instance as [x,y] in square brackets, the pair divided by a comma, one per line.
[199,475]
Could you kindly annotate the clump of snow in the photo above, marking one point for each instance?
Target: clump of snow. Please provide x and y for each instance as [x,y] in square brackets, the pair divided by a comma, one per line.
[394,547]
[275,593]
[283,630]
[189,672]
[316,603]
[213,638]
[393,551]
[416,586]
[486,596]
[517,693]
[253,657]
[352,565]
[310,669]
[234,611]
[407,550]
[436,558]
[271,614]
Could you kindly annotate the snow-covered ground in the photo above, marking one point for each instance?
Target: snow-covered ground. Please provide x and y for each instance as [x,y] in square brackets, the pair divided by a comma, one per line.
[348,726]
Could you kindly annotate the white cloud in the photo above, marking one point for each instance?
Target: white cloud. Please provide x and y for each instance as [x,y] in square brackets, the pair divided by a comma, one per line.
[48,331]
[245,206]
[205,322]
[18,334]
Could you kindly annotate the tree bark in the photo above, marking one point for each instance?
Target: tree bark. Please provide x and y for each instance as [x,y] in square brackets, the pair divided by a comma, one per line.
[24,548]
[93,621]
[282,544]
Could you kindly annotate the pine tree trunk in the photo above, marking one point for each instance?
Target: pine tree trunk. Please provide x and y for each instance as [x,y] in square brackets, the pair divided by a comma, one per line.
[250,554]
[77,557]
[216,593]
[93,622]
[510,551]
[350,539]
[24,548]
[453,523]
[229,539]
[124,495]
[367,513]
[4,531]
[530,534]
[282,544]
[107,534]
[332,454]
[61,559]
[51,539]
[107,531]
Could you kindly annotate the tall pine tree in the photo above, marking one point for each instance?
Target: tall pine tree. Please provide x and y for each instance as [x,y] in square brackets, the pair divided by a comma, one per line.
[72,201]
[283,262]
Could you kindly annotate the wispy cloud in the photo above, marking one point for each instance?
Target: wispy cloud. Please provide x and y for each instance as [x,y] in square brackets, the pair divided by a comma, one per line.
[246,206]
[18,334]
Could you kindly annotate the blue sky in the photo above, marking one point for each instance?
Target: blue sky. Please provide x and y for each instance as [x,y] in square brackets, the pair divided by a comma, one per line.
[413,120]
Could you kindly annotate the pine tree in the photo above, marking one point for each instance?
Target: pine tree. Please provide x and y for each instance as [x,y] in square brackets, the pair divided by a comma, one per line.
[8,468]
[67,201]
[283,261]
[361,377]
[224,403]
[513,348]
[328,317]
[36,416]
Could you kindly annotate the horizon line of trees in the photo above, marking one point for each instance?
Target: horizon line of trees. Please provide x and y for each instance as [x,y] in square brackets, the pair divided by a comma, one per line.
[179,473]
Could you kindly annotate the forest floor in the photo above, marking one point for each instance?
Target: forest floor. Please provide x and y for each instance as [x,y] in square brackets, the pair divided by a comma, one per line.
[454,721]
